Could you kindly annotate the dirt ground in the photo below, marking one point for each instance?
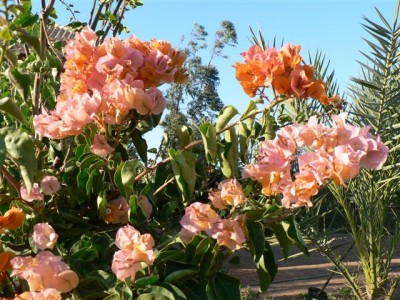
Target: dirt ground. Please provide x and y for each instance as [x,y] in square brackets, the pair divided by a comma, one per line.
[297,274]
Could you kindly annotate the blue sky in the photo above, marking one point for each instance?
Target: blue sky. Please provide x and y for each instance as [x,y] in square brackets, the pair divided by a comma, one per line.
[333,27]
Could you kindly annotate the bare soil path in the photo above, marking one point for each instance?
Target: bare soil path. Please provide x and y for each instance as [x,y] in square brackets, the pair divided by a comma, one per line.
[296,275]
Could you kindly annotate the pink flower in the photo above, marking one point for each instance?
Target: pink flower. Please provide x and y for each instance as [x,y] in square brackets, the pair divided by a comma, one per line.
[230,193]
[135,248]
[130,239]
[199,217]
[145,205]
[33,195]
[50,185]
[228,233]
[47,294]
[44,236]
[45,271]
[126,264]
[100,147]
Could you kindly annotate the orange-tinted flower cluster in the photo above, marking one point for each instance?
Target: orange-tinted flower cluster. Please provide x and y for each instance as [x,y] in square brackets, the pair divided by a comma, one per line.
[12,219]
[5,258]
[103,83]
[282,70]
[339,153]
[200,217]
[136,250]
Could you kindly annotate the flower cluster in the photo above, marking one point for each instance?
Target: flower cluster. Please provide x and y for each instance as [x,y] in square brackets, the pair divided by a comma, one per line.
[12,219]
[282,70]
[49,186]
[136,251]
[45,271]
[117,211]
[200,217]
[339,153]
[103,83]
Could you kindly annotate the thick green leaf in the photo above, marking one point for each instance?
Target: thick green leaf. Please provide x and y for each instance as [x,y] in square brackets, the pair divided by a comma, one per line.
[225,115]
[249,109]
[31,40]
[5,33]
[266,268]
[140,145]
[180,276]
[233,154]
[257,238]
[209,136]
[9,106]
[127,174]
[293,232]
[21,81]
[156,293]
[184,134]
[21,148]
[228,166]
[102,205]
[244,134]
[227,287]
[148,280]
[282,237]
[183,165]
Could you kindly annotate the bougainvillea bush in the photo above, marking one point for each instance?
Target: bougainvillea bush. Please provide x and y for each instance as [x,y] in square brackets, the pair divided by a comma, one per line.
[87,213]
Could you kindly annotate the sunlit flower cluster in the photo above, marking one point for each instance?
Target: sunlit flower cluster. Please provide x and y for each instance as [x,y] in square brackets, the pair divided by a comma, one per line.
[48,186]
[44,271]
[12,219]
[338,154]
[282,70]
[103,83]
[136,252]
[200,217]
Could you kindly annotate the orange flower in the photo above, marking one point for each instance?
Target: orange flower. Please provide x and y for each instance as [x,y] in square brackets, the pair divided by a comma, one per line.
[5,265]
[289,54]
[316,90]
[281,85]
[12,219]
[301,79]
[249,77]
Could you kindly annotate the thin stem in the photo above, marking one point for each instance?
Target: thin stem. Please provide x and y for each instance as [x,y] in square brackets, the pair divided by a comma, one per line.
[121,16]
[92,11]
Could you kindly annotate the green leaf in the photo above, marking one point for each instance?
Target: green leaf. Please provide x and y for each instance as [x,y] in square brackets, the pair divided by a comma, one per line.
[156,293]
[21,81]
[244,134]
[124,176]
[8,105]
[294,234]
[183,165]
[180,276]
[5,34]
[185,135]
[102,205]
[31,40]
[282,237]
[209,136]
[257,239]
[249,109]
[148,280]
[233,154]
[227,287]
[226,158]
[140,145]
[266,268]
[21,148]
[225,115]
